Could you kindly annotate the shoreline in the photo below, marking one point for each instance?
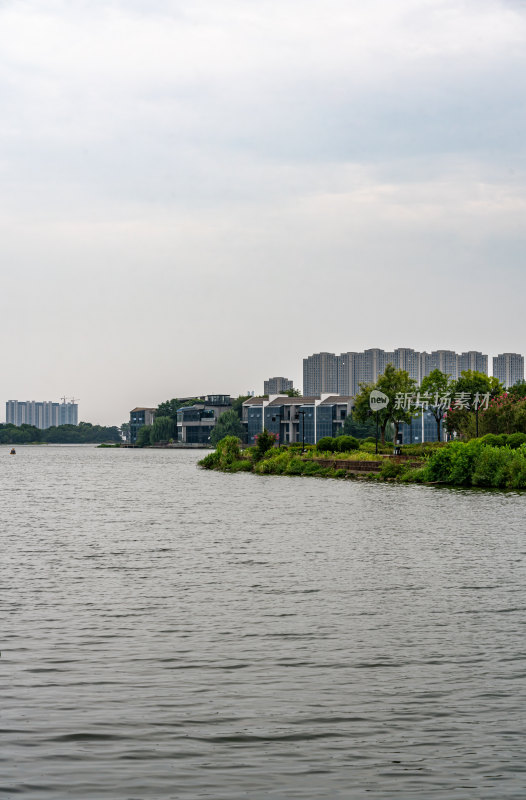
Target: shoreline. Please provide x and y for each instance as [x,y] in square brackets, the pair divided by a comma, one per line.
[472,464]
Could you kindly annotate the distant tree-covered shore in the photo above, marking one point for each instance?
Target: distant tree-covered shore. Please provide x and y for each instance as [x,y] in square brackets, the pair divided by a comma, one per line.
[83,433]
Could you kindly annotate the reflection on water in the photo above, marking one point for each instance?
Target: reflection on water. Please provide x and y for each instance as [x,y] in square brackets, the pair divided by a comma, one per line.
[169,633]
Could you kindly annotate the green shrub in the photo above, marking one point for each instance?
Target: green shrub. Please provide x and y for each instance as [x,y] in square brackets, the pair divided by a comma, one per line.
[516,440]
[368,446]
[517,469]
[327,445]
[229,451]
[440,463]
[492,467]
[490,439]
[211,461]
[295,466]
[240,466]
[390,469]
[354,455]
[471,463]
[495,439]
[274,463]
[418,475]
[311,468]
[422,450]
[347,443]
[264,443]
[463,461]
[263,468]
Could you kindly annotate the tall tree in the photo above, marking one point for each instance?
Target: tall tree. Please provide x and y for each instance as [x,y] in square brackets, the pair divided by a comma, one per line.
[162,429]
[391,382]
[143,436]
[169,407]
[518,390]
[439,386]
[471,382]
[237,404]
[228,424]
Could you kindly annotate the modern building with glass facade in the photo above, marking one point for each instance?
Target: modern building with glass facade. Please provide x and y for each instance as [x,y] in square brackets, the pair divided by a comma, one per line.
[412,433]
[327,372]
[296,419]
[195,423]
[42,414]
[277,385]
[139,417]
[508,368]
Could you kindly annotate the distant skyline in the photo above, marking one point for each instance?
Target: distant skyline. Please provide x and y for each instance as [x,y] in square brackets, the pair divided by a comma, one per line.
[196,196]
[298,383]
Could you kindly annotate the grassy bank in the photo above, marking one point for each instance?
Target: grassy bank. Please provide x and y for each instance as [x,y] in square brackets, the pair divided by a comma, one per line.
[480,462]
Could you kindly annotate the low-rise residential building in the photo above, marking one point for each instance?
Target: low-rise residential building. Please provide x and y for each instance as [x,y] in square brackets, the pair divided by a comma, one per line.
[138,417]
[295,419]
[196,422]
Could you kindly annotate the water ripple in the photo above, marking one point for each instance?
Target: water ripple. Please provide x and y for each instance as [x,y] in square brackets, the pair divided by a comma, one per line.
[169,633]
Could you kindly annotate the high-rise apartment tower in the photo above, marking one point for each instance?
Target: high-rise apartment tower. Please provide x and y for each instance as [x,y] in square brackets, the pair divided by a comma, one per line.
[508,368]
[42,414]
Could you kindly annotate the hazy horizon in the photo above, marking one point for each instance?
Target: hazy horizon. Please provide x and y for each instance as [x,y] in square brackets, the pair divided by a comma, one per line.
[196,197]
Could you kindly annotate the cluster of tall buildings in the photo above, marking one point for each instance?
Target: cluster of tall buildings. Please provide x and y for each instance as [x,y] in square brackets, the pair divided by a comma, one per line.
[328,372]
[41,414]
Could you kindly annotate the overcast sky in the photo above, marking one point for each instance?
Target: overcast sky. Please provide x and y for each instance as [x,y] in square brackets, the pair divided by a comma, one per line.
[196,195]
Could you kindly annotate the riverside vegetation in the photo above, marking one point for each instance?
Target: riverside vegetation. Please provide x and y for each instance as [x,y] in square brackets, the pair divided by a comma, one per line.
[492,461]
[83,433]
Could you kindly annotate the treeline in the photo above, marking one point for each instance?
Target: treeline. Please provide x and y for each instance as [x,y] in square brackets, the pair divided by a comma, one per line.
[506,412]
[83,433]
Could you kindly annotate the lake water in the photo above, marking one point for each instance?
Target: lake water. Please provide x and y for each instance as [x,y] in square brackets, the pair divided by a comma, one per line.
[173,633]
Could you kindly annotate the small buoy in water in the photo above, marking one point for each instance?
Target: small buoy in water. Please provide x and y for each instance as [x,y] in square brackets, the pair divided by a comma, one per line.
[13,452]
